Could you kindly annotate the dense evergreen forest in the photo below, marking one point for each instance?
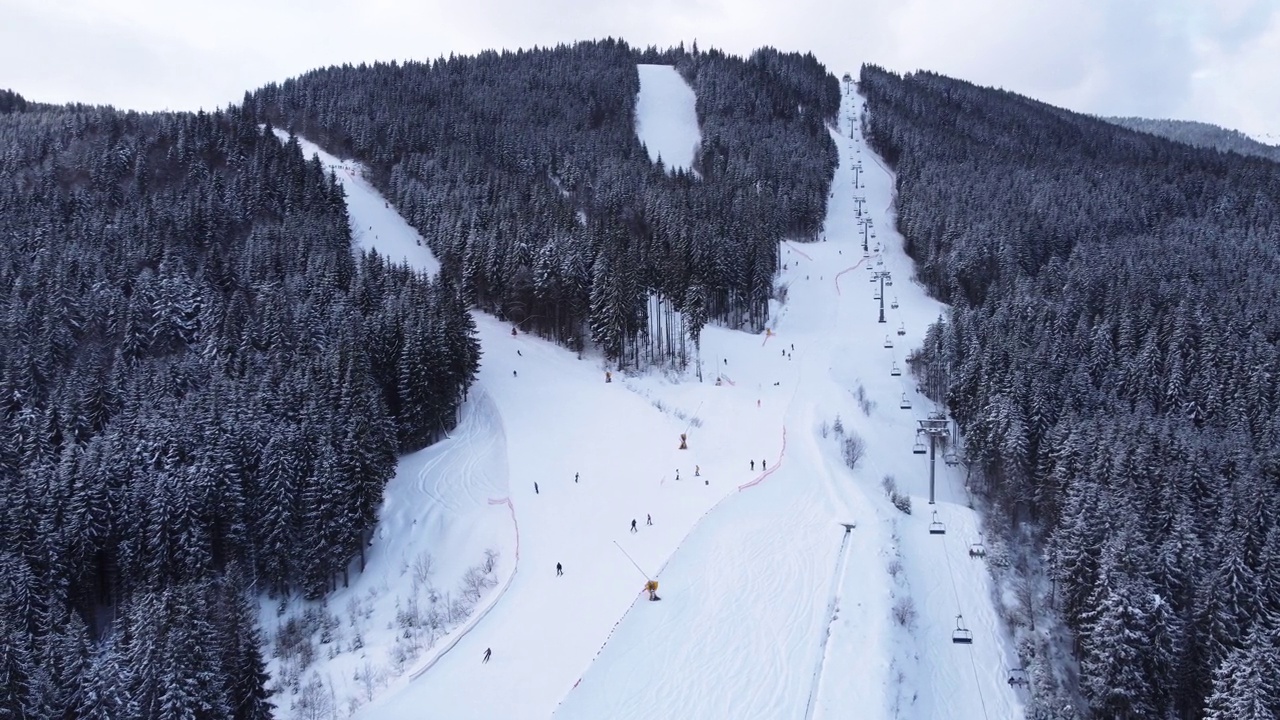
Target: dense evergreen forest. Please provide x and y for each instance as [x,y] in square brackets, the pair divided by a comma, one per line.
[1111,357]
[524,173]
[202,395]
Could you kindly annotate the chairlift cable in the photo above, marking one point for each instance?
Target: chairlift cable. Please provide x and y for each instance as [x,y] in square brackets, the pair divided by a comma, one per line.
[977,683]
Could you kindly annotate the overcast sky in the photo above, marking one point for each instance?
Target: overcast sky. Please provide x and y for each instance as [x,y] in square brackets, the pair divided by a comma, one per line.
[1210,60]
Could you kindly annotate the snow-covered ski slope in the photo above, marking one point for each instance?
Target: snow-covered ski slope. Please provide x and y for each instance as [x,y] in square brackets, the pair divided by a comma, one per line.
[665,116]
[770,608]
[374,223]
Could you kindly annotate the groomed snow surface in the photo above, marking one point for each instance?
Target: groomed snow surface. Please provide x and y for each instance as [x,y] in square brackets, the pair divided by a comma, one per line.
[666,119]
[769,609]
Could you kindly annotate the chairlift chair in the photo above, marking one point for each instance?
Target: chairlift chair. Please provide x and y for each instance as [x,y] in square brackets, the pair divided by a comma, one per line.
[902,329]
[905,404]
[936,527]
[978,550]
[894,304]
[919,448]
[887,342]
[895,371]
[876,295]
[950,458]
[888,281]
[961,635]
[1018,676]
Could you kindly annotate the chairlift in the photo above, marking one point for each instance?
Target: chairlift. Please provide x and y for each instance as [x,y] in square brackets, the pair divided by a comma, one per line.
[1018,676]
[895,371]
[936,527]
[919,448]
[876,296]
[887,342]
[879,262]
[902,329]
[978,550]
[905,404]
[961,635]
[950,458]
[894,304]
[888,281]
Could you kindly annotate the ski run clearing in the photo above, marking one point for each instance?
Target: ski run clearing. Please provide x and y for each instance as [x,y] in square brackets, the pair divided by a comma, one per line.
[770,607]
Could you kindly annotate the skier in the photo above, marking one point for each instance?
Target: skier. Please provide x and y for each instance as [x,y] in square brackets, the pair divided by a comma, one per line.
[648,519]
[697,471]
[753,465]
[575,477]
[677,473]
[520,353]
[559,570]
[535,489]
[763,464]
[487,653]
[514,374]
[633,525]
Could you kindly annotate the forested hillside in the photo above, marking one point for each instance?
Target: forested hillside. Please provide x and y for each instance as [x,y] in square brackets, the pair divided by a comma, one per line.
[1111,358]
[524,172]
[202,394]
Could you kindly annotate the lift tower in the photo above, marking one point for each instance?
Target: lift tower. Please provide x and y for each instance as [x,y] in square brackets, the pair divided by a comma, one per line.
[936,427]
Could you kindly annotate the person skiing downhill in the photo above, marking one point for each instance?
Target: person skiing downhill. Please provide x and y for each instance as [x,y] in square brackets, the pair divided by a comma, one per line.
[535,489]
[648,519]
[559,569]
[575,477]
[763,464]
[487,653]
[753,464]
[633,525]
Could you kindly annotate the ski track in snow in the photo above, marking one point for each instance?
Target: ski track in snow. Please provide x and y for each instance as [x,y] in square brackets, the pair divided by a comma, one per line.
[769,610]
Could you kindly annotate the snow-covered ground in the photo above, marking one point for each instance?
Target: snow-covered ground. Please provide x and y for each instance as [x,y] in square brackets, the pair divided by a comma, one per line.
[374,223]
[665,116]
[770,607]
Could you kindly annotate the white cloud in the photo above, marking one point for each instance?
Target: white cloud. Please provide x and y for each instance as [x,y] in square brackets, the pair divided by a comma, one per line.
[1207,60]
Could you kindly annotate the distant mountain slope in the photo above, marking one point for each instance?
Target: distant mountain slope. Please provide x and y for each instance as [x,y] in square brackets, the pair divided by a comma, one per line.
[1200,134]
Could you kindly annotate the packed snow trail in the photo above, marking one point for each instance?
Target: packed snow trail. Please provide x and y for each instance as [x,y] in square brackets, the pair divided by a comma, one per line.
[744,553]
[666,118]
[374,223]
[741,641]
